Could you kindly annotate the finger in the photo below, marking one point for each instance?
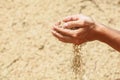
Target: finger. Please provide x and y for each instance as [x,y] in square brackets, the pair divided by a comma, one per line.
[65,32]
[70,18]
[73,24]
[57,35]
[61,37]
[58,23]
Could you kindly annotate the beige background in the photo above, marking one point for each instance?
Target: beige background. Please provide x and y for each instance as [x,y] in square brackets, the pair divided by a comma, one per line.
[28,51]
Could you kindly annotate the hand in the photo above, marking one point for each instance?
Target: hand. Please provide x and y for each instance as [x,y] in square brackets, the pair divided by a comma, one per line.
[77,29]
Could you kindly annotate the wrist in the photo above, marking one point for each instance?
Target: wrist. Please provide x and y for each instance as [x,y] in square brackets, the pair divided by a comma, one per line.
[97,32]
[100,32]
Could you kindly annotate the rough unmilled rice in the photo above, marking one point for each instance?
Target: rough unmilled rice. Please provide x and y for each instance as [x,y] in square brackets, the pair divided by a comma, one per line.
[77,62]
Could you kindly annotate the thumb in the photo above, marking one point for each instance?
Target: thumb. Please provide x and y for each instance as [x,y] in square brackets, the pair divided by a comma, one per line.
[73,24]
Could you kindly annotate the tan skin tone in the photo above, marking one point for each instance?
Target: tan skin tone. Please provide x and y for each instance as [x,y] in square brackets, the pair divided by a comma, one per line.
[85,30]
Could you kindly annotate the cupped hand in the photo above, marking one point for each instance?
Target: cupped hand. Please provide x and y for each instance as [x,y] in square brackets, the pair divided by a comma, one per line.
[76,29]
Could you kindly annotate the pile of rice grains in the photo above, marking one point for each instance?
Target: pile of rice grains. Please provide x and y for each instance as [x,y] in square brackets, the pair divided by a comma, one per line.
[77,64]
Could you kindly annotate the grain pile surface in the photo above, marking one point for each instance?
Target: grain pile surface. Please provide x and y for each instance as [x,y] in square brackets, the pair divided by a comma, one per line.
[28,51]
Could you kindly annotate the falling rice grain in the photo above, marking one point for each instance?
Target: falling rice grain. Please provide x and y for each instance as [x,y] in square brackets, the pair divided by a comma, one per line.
[77,62]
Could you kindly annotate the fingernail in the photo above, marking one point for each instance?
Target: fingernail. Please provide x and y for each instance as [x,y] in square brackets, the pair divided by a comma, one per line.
[52,31]
[58,23]
[52,28]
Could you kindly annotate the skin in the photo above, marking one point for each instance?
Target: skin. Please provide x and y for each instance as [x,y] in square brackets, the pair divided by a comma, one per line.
[78,29]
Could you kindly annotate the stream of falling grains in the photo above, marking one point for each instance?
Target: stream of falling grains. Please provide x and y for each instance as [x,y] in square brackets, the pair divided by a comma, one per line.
[77,65]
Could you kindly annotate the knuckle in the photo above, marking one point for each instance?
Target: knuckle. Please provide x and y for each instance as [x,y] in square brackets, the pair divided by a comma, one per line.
[75,35]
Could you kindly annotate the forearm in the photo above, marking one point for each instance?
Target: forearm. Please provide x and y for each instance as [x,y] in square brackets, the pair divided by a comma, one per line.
[109,36]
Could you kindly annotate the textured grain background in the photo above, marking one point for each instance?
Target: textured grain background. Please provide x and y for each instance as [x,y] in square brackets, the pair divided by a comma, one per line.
[28,51]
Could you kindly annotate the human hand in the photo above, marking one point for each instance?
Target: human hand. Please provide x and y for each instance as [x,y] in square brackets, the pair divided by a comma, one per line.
[76,29]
